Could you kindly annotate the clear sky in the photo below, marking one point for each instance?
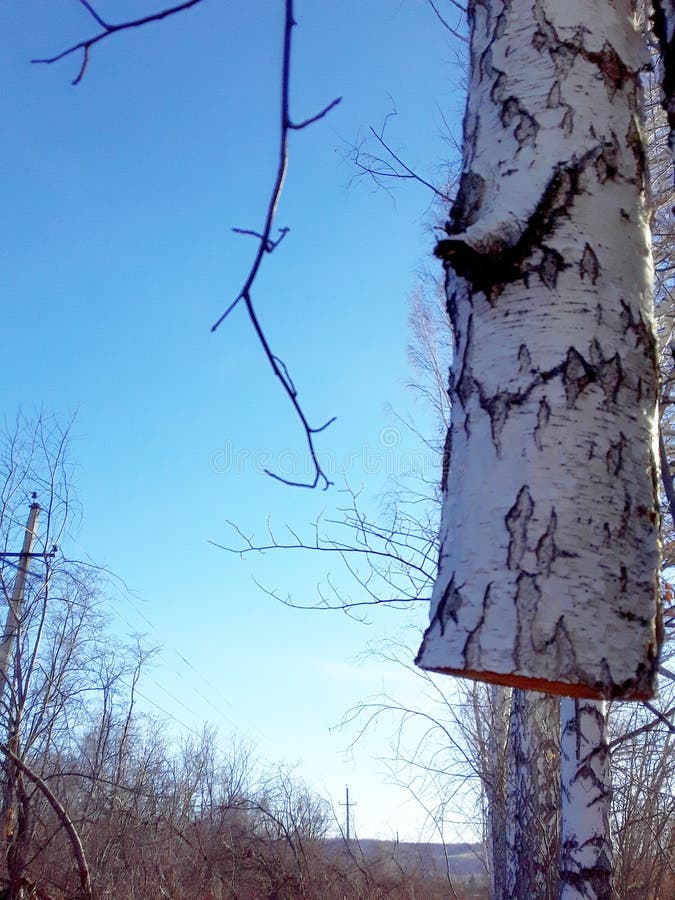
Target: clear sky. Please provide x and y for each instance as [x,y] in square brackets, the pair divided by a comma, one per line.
[116,256]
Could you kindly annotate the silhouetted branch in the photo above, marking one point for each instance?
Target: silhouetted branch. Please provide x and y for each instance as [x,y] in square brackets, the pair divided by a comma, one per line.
[661,717]
[108,30]
[332,546]
[391,566]
[446,24]
[267,245]
[392,166]
[297,126]
[336,602]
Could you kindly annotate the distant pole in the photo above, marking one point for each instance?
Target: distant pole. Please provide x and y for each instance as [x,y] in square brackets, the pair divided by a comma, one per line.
[347,806]
[14,611]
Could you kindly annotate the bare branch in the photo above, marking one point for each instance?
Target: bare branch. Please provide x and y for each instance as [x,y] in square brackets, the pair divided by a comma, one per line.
[383,168]
[325,546]
[108,30]
[663,717]
[267,245]
[643,729]
[297,126]
[446,24]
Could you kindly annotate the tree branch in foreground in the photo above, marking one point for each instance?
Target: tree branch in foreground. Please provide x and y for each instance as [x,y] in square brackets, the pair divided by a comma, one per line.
[266,244]
[109,29]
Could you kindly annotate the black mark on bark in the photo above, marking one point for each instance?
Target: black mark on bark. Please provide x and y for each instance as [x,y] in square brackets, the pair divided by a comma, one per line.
[625,516]
[614,71]
[465,385]
[452,309]
[447,459]
[578,373]
[526,128]
[501,263]
[607,163]
[471,654]
[644,336]
[636,144]
[615,456]
[563,56]
[528,596]
[607,371]
[576,376]
[498,89]
[517,519]
[524,360]
[551,265]
[589,266]
[546,549]
[553,99]
[543,418]
[467,203]
[448,605]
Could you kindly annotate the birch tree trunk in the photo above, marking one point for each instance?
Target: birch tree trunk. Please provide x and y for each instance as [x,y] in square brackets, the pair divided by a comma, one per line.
[587,857]
[493,766]
[549,552]
[533,805]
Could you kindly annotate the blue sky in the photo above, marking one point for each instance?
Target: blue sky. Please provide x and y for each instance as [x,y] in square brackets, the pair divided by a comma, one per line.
[116,256]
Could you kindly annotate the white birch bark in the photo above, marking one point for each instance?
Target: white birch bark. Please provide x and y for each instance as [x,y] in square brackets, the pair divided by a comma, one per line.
[587,857]
[494,766]
[533,804]
[548,563]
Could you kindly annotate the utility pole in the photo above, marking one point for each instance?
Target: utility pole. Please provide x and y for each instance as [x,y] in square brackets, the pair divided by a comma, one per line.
[14,611]
[347,804]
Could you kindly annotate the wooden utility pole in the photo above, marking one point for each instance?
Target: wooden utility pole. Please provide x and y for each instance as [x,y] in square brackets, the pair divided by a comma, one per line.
[347,804]
[14,611]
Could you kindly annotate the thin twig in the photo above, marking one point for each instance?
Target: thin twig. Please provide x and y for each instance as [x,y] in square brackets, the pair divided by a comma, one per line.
[323,547]
[643,729]
[267,245]
[108,30]
[659,715]
[446,24]
[379,168]
[410,173]
[297,126]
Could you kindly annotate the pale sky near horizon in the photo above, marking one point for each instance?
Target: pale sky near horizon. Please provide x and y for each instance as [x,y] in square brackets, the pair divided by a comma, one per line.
[117,255]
